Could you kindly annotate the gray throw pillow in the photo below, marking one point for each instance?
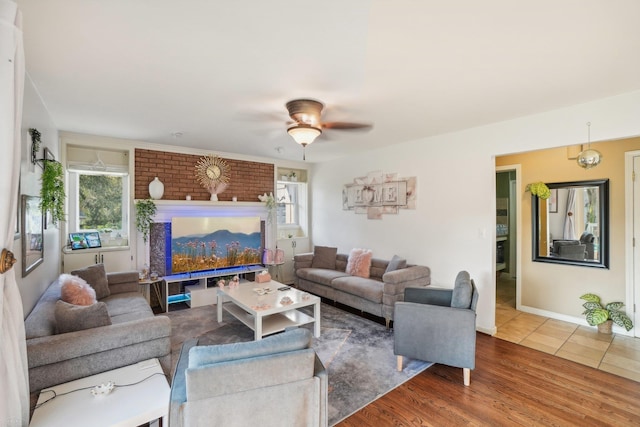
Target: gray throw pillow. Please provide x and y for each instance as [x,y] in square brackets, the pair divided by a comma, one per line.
[96,276]
[71,318]
[396,263]
[462,291]
[324,257]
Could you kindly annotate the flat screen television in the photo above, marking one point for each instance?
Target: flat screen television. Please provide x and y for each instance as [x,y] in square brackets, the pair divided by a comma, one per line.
[210,243]
[84,240]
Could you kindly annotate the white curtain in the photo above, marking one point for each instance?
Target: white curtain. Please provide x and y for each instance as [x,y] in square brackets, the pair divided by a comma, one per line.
[14,388]
[569,232]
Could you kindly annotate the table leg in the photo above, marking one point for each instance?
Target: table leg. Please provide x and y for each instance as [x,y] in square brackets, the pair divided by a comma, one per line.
[219,307]
[257,326]
[316,316]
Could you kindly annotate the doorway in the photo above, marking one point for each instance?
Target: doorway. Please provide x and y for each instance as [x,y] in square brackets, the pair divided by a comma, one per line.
[506,237]
[632,208]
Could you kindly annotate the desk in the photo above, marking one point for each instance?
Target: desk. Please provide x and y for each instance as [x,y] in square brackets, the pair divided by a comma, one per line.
[132,405]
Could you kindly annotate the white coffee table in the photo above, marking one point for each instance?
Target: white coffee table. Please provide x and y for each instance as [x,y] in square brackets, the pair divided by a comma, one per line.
[123,407]
[266,314]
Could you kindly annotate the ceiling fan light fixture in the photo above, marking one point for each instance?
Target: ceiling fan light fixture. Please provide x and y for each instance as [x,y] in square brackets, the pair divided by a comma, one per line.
[589,158]
[303,133]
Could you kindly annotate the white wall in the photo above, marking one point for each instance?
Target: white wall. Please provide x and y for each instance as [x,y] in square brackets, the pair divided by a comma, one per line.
[35,115]
[453,227]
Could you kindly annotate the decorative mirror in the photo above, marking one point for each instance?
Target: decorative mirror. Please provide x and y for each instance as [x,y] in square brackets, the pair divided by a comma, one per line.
[32,234]
[572,226]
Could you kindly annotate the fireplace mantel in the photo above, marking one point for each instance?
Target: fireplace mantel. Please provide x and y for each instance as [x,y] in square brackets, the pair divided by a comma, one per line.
[167,209]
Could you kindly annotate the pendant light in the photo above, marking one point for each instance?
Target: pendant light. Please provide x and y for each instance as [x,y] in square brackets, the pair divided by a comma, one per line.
[589,158]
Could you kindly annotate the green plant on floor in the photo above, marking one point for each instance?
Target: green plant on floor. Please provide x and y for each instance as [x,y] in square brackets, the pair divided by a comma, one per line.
[539,189]
[596,313]
[145,210]
[52,190]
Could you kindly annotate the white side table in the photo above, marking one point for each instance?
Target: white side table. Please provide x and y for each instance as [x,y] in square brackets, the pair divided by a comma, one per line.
[145,399]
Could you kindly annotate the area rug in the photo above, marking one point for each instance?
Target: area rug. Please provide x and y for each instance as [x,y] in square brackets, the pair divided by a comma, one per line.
[357,352]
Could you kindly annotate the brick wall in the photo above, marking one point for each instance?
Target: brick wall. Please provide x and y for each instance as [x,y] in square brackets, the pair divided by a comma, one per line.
[178,174]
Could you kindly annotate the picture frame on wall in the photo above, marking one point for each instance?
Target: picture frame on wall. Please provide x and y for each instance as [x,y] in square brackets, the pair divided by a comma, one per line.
[32,233]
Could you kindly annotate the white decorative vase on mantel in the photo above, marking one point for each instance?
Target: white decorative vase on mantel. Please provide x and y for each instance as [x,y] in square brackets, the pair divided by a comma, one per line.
[214,197]
[156,189]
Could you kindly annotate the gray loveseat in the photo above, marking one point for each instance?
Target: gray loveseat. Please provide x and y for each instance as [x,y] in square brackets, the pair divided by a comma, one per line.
[278,381]
[135,334]
[376,295]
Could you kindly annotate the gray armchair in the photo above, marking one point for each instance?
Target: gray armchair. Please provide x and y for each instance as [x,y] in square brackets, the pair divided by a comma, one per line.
[438,325]
[277,381]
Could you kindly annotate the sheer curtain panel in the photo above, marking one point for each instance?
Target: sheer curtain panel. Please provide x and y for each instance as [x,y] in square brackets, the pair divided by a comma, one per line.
[14,389]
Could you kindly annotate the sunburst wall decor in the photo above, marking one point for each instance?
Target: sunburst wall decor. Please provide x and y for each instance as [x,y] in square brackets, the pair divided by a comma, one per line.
[213,173]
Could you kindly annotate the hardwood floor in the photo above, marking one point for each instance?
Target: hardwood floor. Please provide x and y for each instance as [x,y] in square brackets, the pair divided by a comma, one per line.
[511,385]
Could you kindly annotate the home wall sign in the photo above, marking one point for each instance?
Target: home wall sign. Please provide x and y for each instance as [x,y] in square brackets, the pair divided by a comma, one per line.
[379,193]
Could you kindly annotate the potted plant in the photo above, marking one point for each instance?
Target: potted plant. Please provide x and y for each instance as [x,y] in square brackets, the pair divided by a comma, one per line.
[539,189]
[603,317]
[145,210]
[52,190]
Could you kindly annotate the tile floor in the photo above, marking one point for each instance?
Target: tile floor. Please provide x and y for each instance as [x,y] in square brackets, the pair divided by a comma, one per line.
[617,354]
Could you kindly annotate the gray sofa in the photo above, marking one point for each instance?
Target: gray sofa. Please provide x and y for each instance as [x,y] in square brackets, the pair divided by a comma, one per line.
[135,334]
[278,381]
[376,295]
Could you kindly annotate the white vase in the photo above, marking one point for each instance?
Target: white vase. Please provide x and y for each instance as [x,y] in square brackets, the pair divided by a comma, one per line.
[156,189]
[214,197]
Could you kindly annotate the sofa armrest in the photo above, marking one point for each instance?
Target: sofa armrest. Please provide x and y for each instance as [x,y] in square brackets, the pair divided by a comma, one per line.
[56,348]
[320,372]
[302,261]
[416,324]
[396,281]
[123,281]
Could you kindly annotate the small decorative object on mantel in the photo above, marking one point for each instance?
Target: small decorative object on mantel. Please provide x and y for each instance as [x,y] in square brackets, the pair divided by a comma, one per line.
[221,283]
[539,189]
[213,174]
[379,193]
[603,317]
[156,189]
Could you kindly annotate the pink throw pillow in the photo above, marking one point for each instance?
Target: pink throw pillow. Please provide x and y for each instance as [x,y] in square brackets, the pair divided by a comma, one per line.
[359,262]
[76,291]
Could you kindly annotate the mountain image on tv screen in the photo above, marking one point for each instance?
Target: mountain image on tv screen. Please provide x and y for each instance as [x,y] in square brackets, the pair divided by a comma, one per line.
[208,243]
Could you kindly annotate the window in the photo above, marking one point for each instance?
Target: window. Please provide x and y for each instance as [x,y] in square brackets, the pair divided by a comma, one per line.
[287,197]
[99,201]
[98,192]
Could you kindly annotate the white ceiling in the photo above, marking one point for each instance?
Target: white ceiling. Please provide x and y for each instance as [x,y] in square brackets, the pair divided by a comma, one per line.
[220,72]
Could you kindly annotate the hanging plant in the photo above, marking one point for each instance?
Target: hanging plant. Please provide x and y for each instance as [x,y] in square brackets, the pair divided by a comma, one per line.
[52,190]
[539,189]
[145,210]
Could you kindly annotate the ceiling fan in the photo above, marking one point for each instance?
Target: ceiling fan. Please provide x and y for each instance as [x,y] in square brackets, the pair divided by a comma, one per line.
[307,124]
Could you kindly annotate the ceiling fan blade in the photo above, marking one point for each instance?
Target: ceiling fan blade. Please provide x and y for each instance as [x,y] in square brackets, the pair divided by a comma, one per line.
[347,126]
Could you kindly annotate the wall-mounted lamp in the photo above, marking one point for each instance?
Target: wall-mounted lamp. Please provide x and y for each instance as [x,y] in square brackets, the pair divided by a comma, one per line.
[589,158]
